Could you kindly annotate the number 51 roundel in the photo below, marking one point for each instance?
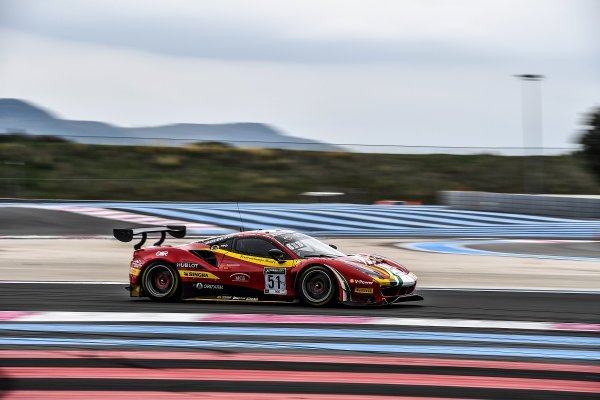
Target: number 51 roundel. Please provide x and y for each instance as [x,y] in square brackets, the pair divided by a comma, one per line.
[275,281]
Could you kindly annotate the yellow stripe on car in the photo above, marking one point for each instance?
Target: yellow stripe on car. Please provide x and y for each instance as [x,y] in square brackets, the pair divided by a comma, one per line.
[267,262]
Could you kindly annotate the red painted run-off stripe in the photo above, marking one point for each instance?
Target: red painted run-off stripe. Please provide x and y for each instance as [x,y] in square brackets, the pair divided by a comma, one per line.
[297,358]
[575,327]
[13,315]
[93,395]
[486,382]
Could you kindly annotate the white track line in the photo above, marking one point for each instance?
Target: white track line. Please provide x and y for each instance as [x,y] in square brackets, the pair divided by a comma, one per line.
[126,216]
[68,282]
[58,316]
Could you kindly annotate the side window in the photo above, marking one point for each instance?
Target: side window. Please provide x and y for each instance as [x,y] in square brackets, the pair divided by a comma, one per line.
[254,247]
[226,245]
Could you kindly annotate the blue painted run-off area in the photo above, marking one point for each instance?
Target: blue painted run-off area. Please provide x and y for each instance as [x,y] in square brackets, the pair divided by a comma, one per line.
[462,247]
[362,220]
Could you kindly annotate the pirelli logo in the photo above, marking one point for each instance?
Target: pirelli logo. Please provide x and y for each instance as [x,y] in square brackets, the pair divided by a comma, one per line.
[364,290]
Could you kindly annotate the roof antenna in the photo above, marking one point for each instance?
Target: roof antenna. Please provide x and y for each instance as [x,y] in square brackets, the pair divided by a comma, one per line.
[241,220]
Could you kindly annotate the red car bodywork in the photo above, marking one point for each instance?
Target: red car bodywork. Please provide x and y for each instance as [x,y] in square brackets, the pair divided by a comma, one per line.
[213,269]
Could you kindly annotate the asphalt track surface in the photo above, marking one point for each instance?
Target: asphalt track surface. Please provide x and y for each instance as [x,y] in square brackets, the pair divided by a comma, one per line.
[19,221]
[330,360]
[492,305]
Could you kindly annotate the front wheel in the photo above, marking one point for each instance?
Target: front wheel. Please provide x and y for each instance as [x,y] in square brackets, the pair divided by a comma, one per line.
[317,286]
[161,282]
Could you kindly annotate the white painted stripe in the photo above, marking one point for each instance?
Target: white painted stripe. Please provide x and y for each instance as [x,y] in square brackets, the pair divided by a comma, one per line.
[57,316]
[55,237]
[192,235]
[125,216]
[68,282]
[511,290]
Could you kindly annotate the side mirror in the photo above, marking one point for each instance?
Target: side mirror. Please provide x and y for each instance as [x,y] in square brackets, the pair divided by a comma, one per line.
[277,255]
[333,246]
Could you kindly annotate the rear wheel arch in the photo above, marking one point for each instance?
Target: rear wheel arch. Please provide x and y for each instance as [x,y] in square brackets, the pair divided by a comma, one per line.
[160,281]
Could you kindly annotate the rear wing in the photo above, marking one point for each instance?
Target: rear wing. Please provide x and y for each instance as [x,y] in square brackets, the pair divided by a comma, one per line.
[126,235]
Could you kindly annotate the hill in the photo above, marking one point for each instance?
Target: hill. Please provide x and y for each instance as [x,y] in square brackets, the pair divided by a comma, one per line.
[20,116]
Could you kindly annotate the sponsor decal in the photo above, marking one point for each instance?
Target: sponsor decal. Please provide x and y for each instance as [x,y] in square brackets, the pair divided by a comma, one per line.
[240,277]
[238,298]
[162,253]
[208,286]
[218,239]
[267,262]
[361,282]
[137,264]
[134,271]
[245,298]
[187,265]
[364,290]
[274,270]
[275,281]
[198,274]
[258,260]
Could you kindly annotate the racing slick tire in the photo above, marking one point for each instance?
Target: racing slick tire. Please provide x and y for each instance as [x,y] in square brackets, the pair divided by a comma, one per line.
[160,282]
[317,286]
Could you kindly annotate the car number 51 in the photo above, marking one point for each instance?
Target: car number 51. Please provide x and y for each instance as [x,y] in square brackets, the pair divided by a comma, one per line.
[275,281]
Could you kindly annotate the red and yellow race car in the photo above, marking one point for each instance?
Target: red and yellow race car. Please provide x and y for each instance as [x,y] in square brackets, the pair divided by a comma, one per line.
[275,265]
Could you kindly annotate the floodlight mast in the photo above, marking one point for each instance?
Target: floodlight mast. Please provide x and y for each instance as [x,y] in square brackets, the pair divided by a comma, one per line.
[533,139]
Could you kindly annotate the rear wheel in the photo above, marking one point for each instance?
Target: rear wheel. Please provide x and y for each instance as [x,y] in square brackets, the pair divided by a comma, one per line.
[161,282]
[317,286]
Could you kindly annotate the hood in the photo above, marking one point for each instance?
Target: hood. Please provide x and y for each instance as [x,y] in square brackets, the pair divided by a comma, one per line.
[378,268]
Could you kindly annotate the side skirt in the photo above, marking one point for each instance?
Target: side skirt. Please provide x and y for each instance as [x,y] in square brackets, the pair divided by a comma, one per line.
[238,299]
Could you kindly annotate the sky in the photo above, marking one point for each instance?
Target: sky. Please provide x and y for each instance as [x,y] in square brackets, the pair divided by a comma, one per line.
[402,72]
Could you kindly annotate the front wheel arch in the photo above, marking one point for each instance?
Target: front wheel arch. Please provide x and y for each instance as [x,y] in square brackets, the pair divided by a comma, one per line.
[326,290]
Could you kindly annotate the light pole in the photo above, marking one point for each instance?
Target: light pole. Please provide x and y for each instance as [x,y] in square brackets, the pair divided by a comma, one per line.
[531,109]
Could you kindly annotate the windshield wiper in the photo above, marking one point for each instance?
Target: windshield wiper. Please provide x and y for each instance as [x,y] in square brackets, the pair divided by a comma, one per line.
[319,255]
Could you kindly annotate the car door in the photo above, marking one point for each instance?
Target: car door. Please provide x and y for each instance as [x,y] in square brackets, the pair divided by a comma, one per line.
[251,266]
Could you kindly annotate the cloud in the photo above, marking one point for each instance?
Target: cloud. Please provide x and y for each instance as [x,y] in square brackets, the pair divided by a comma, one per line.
[351,103]
[331,31]
[405,72]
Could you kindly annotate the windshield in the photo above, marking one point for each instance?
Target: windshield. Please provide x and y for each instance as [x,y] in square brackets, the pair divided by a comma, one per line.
[306,246]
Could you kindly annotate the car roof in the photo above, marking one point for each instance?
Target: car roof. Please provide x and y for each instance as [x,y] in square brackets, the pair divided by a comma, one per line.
[260,233]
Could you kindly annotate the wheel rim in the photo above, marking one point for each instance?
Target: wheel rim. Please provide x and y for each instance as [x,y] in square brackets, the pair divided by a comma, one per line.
[317,286]
[162,281]
[159,280]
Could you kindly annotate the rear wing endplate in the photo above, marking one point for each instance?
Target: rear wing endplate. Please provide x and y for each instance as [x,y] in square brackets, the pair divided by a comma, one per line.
[127,235]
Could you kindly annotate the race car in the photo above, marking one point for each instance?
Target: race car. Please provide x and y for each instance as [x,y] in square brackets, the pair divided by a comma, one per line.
[259,266]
